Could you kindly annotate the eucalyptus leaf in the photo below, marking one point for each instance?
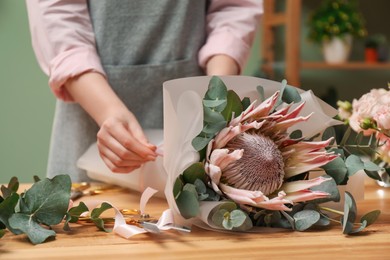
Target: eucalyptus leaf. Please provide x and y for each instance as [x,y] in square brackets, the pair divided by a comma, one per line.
[95,215]
[213,128]
[2,232]
[216,90]
[191,188]
[337,170]
[218,217]
[201,142]
[13,186]
[237,217]
[36,178]
[362,226]
[193,172]
[212,116]
[25,222]
[246,102]
[291,95]
[329,187]
[200,186]
[370,217]
[233,106]
[305,219]
[289,219]
[329,133]
[188,204]
[354,164]
[7,209]
[73,214]
[260,90]
[296,134]
[349,213]
[47,200]
[212,195]
[373,175]
[213,103]
[177,187]
[370,166]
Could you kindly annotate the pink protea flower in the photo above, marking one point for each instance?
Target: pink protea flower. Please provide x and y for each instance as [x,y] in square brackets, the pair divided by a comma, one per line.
[251,159]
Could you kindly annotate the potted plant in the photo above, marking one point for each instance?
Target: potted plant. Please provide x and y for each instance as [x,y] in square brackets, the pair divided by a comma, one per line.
[334,24]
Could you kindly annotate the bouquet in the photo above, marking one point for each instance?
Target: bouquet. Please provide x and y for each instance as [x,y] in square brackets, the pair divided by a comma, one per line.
[238,165]
[369,116]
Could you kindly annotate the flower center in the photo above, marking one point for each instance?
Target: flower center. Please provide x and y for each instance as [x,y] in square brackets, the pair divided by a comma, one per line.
[261,168]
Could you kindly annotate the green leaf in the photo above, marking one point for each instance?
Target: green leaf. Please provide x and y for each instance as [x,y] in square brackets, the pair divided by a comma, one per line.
[193,172]
[2,232]
[12,187]
[95,214]
[291,95]
[246,102]
[290,219]
[30,227]
[260,90]
[188,204]
[349,213]
[373,175]
[200,186]
[73,214]
[212,116]
[218,217]
[370,166]
[48,200]
[177,187]
[329,133]
[234,105]
[296,134]
[201,142]
[337,170]
[7,209]
[329,187]
[217,89]
[354,164]
[370,217]
[237,217]
[191,188]
[210,129]
[305,219]
[213,103]
[36,178]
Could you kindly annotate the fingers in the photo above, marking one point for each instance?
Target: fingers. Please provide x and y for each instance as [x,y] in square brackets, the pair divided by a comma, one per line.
[121,149]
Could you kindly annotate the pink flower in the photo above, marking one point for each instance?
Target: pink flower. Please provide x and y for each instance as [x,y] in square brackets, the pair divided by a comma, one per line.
[252,159]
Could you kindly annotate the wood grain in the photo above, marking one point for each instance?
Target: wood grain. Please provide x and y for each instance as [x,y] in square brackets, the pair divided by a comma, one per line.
[85,242]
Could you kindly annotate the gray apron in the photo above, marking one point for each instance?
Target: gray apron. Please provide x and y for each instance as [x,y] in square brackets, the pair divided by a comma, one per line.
[141,43]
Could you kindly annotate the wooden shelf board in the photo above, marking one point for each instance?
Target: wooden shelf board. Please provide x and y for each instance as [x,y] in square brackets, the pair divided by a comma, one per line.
[347,65]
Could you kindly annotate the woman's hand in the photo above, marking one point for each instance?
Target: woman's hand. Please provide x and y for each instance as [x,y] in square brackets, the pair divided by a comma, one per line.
[123,145]
[120,140]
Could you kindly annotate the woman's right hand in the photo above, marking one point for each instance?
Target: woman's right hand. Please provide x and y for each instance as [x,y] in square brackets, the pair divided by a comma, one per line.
[121,140]
[123,145]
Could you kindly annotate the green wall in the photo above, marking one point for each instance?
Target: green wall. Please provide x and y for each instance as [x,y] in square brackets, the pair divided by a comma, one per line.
[26,103]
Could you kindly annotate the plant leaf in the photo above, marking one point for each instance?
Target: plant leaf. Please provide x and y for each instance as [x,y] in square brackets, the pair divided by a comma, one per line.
[337,170]
[245,103]
[177,187]
[305,219]
[291,94]
[7,209]
[30,227]
[329,187]
[73,214]
[213,128]
[2,232]
[95,214]
[216,90]
[370,217]
[237,217]
[233,105]
[48,199]
[212,116]
[188,204]
[193,172]
[349,213]
[12,187]
[201,142]
[260,90]
[354,164]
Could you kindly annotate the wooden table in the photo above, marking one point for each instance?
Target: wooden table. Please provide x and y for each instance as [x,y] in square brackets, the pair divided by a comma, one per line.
[85,242]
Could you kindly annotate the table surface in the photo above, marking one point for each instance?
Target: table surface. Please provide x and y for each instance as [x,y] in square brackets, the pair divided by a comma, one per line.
[86,242]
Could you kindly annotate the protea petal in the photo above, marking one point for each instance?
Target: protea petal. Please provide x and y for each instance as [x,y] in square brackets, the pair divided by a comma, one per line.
[277,203]
[294,186]
[284,125]
[310,165]
[214,172]
[225,135]
[222,157]
[306,195]
[243,196]
[263,109]
[294,113]
[306,147]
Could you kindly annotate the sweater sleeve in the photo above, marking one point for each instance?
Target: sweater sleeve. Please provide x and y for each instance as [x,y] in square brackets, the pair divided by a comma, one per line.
[63,41]
[231,26]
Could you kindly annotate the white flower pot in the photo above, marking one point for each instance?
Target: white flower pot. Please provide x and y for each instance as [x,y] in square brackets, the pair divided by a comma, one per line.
[337,50]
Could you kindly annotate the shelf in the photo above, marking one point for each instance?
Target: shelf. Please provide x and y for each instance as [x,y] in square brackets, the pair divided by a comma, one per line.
[349,65]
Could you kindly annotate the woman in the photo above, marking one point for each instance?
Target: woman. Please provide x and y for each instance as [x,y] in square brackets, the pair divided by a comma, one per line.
[107,60]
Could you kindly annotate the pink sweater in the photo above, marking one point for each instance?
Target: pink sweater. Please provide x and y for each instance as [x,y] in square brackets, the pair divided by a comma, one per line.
[64,42]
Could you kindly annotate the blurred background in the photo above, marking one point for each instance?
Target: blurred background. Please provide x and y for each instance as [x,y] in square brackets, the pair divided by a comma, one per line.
[284,48]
